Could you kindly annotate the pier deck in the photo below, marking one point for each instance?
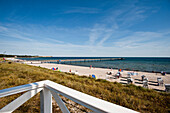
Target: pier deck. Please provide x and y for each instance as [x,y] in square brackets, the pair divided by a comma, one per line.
[80,60]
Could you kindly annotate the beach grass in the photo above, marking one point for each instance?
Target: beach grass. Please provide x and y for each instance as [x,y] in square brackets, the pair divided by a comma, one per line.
[130,96]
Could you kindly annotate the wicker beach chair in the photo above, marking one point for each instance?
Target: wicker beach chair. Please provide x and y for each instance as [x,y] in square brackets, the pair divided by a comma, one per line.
[117,75]
[109,73]
[129,81]
[145,84]
[145,79]
[160,81]
[158,78]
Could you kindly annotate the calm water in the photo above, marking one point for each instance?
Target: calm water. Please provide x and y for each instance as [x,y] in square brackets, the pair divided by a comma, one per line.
[129,63]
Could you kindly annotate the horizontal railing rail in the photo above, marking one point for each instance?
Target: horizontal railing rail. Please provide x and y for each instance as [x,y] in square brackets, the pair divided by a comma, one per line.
[48,89]
[22,88]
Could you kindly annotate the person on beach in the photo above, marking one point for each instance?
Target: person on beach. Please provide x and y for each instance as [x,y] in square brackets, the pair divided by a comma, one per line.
[90,66]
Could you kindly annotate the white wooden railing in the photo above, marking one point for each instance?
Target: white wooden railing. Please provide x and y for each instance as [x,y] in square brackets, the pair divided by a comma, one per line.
[48,89]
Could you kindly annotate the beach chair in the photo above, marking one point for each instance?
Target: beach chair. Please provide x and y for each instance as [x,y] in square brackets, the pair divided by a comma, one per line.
[158,78]
[109,73]
[145,79]
[129,81]
[145,84]
[167,87]
[135,73]
[118,75]
[160,81]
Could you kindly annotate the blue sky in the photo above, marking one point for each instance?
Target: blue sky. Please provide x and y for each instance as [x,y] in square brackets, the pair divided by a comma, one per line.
[85,27]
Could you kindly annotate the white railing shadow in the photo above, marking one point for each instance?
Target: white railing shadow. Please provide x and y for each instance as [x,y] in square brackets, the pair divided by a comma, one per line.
[48,89]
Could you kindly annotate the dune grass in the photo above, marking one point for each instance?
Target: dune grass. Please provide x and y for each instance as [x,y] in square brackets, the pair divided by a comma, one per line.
[130,96]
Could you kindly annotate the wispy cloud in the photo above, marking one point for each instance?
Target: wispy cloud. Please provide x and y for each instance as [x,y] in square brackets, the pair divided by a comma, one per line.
[13,33]
[40,40]
[139,39]
[93,36]
[2,29]
[107,36]
[118,20]
[42,33]
[99,34]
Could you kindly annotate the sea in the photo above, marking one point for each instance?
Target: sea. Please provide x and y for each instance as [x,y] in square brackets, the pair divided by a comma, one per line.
[145,64]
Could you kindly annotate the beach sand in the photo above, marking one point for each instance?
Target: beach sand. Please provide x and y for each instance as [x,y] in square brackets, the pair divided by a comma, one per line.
[102,72]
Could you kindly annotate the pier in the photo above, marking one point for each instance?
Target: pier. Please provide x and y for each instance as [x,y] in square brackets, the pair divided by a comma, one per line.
[76,60]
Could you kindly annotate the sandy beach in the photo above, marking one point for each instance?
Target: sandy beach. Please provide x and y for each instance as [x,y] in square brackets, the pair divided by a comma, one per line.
[102,72]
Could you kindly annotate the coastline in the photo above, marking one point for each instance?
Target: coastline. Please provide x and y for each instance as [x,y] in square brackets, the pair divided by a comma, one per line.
[101,74]
[17,73]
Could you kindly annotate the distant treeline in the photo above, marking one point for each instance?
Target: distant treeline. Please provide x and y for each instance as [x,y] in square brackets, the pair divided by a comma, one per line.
[4,55]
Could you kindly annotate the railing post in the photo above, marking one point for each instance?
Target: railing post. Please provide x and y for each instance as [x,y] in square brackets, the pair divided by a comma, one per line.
[45,101]
[41,101]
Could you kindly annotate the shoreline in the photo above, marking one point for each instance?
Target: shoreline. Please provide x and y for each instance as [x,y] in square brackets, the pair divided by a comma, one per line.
[102,72]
